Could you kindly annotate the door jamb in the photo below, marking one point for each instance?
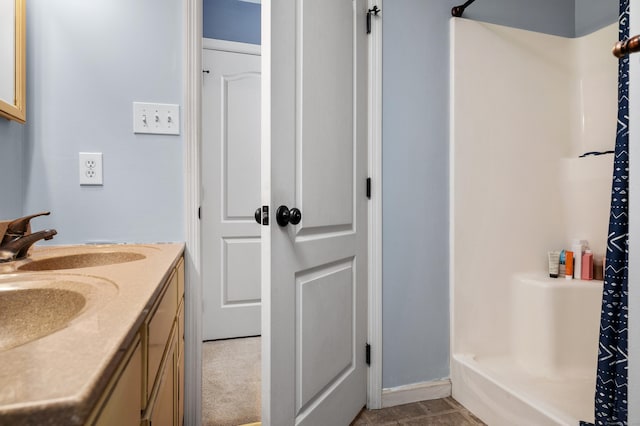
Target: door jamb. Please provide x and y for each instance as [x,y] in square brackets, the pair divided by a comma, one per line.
[192,67]
[192,93]
[374,385]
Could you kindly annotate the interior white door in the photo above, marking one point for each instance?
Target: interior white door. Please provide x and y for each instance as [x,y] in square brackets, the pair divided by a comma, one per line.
[230,194]
[314,159]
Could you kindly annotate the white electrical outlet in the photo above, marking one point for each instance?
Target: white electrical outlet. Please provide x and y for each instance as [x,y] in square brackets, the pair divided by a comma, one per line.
[161,119]
[90,168]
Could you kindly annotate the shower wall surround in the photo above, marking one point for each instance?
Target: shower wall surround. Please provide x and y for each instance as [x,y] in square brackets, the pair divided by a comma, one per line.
[524,106]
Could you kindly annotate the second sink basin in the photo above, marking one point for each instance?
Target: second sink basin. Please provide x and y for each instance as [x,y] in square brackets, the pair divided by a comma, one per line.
[28,314]
[33,306]
[81,260]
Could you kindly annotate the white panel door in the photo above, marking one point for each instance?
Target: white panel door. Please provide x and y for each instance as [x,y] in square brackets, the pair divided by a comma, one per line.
[315,159]
[231,193]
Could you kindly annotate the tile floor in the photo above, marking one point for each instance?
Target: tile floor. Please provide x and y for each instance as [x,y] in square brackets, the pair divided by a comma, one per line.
[443,412]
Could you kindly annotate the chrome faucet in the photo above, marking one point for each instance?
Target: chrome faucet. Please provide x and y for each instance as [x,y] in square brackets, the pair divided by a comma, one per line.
[18,248]
[15,244]
[18,227]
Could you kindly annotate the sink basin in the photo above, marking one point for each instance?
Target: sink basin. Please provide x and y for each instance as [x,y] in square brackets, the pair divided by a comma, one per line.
[34,306]
[31,313]
[81,260]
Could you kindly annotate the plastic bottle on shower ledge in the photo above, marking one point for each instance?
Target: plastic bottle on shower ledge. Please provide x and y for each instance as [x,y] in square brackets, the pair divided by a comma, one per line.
[587,265]
[569,265]
[577,248]
[562,268]
[598,268]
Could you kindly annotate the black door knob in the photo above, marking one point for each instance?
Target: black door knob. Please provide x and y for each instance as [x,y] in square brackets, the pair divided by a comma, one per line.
[258,215]
[284,216]
[295,216]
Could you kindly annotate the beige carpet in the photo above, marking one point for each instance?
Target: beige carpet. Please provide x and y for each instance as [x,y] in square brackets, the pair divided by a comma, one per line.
[231,382]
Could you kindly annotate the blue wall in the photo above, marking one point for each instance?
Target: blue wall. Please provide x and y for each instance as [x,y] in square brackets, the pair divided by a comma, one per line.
[415,191]
[231,20]
[567,18]
[11,159]
[592,15]
[86,63]
[545,16]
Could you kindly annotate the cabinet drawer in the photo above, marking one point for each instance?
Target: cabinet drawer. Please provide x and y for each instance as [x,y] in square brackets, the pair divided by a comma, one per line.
[162,408]
[160,329]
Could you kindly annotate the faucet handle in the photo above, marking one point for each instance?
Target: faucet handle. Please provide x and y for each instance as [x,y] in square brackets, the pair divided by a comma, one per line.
[18,227]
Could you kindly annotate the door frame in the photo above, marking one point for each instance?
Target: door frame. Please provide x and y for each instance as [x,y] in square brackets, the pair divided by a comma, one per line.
[192,95]
[374,385]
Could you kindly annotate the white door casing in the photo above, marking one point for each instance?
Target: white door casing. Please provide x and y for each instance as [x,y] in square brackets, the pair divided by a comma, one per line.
[230,193]
[314,157]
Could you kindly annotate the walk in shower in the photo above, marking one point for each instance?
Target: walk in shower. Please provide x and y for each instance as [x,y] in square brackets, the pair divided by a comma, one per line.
[524,107]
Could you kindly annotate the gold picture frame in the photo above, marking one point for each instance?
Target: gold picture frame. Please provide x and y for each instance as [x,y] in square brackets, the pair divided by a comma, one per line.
[16,109]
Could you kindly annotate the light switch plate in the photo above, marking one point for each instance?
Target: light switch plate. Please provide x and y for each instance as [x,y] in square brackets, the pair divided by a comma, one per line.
[159,119]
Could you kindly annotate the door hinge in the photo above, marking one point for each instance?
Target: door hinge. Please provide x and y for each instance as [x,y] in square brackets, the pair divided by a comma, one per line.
[265,215]
[368,354]
[373,11]
[199,212]
[369,188]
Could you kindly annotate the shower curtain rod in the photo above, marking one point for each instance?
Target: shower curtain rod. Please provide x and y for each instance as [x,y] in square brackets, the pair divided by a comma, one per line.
[457,11]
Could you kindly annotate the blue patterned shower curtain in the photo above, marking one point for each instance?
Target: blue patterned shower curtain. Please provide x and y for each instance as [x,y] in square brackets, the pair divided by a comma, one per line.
[611,385]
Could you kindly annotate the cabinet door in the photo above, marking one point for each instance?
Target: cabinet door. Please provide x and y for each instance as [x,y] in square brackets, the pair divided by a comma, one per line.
[162,408]
[160,329]
[123,405]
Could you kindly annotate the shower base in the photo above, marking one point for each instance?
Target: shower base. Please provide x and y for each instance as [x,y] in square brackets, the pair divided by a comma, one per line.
[501,392]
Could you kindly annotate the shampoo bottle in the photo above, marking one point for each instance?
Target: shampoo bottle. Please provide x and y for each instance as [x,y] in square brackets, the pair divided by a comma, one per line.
[576,247]
[598,268]
[562,268]
[569,265]
[587,265]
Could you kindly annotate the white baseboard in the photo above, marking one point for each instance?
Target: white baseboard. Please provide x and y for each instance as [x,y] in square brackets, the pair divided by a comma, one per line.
[416,392]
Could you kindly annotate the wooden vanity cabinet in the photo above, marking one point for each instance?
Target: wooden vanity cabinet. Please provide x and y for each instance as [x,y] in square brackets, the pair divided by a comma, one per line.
[165,379]
[148,388]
